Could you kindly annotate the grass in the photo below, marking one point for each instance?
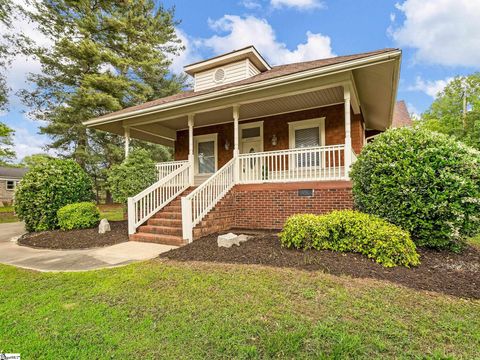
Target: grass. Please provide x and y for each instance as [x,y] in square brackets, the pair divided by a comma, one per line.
[475,241]
[6,215]
[174,310]
[111,212]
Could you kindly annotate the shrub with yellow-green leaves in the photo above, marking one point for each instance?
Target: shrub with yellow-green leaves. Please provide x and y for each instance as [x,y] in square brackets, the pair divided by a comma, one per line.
[351,231]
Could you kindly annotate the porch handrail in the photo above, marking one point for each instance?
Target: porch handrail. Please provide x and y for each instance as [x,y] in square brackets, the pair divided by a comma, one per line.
[200,201]
[317,163]
[167,167]
[143,205]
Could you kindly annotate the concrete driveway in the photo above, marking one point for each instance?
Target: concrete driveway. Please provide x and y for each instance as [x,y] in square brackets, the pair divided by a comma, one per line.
[72,260]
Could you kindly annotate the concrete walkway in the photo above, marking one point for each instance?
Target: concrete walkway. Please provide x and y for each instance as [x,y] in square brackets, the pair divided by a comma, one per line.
[71,260]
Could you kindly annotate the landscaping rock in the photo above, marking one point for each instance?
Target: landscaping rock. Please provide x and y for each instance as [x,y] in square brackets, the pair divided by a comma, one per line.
[227,240]
[104,226]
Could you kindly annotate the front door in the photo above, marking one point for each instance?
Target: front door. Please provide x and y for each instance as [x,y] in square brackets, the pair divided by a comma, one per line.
[206,154]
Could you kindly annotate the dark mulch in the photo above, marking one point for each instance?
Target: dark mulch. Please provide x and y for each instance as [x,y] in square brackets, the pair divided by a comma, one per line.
[440,271]
[77,239]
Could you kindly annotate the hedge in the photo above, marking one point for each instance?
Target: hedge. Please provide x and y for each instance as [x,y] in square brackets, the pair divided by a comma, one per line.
[47,187]
[82,215]
[351,231]
[424,182]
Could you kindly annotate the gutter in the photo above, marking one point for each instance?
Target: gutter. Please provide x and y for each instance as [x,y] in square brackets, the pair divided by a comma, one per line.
[350,65]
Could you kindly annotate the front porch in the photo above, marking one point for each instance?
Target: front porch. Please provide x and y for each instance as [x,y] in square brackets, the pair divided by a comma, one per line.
[302,147]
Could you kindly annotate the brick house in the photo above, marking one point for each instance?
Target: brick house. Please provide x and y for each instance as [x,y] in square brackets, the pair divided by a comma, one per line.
[255,143]
[9,178]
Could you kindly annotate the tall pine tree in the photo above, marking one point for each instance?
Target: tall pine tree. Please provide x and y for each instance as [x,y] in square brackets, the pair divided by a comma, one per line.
[106,55]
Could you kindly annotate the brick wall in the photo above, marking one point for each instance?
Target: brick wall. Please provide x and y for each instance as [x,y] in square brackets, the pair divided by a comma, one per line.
[5,195]
[267,206]
[278,125]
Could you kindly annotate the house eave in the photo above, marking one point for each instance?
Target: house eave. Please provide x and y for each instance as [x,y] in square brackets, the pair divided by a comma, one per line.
[393,55]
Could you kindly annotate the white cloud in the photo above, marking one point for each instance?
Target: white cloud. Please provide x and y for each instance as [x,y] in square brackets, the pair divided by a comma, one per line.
[251,4]
[187,56]
[413,111]
[26,143]
[429,87]
[445,32]
[250,30]
[298,4]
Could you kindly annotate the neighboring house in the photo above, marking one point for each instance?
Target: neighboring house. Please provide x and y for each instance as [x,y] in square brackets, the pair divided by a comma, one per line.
[255,143]
[9,178]
[401,118]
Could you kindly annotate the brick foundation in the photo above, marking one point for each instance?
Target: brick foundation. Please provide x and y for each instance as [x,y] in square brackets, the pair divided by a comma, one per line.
[267,206]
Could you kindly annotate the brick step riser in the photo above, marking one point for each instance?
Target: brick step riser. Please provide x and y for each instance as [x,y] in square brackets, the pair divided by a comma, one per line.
[165,222]
[160,230]
[146,237]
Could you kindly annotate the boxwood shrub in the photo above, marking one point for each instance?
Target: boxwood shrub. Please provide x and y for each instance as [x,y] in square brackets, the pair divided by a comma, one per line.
[351,231]
[81,215]
[136,173]
[424,182]
[47,187]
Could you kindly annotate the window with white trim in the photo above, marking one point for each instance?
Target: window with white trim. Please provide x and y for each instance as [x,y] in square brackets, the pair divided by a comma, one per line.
[11,185]
[307,134]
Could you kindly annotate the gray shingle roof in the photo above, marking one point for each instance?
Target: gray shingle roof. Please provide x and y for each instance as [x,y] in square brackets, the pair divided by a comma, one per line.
[12,173]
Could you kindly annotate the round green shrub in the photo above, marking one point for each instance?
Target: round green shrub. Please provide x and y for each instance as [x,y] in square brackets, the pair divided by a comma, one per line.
[47,187]
[81,215]
[133,175]
[424,182]
[351,231]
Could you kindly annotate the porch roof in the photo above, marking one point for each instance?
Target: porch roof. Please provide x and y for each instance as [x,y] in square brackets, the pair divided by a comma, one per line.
[373,77]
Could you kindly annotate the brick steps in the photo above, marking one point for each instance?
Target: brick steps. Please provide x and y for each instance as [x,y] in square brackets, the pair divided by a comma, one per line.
[165,227]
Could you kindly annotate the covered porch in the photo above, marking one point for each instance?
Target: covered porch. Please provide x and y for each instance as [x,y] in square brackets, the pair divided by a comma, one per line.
[302,137]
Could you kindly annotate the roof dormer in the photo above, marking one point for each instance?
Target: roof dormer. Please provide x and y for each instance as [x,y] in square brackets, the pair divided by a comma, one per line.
[227,68]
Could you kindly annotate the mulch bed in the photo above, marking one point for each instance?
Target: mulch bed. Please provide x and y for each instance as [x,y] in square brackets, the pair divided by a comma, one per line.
[77,239]
[439,271]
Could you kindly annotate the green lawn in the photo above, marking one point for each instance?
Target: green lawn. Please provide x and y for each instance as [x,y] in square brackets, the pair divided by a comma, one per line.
[111,212]
[168,310]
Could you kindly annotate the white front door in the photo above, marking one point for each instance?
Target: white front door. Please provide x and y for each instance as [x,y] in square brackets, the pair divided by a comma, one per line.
[205,154]
[251,142]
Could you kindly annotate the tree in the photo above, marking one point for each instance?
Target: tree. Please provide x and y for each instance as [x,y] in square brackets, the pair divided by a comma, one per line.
[6,142]
[5,10]
[106,55]
[456,110]
[30,161]
[134,174]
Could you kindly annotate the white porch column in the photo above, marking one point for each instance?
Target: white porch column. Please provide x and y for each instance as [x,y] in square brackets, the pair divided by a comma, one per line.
[191,158]
[127,141]
[236,151]
[348,138]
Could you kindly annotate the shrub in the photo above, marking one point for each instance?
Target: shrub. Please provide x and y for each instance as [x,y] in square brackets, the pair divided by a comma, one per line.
[81,215]
[47,187]
[134,174]
[424,182]
[351,231]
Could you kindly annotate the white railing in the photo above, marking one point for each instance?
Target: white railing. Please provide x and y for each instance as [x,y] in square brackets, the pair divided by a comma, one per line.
[142,206]
[200,201]
[166,168]
[303,164]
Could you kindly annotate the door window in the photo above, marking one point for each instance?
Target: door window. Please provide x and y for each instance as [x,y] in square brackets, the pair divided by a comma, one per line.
[206,157]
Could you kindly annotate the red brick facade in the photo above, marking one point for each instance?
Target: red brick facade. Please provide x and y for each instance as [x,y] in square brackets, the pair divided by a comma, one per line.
[278,125]
[267,206]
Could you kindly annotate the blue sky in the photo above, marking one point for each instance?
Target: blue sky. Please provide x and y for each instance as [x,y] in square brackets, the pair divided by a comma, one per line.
[439,38]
